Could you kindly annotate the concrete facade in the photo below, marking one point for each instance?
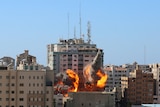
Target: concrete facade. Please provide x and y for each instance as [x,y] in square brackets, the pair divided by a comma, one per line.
[25,89]
[91,99]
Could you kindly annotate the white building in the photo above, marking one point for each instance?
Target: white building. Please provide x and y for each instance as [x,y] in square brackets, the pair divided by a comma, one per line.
[71,54]
[25,89]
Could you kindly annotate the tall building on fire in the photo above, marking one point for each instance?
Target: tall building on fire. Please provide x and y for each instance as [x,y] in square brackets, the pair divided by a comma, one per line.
[71,54]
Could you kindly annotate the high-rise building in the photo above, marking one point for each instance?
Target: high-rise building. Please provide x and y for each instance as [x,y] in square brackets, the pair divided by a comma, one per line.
[139,87]
[25,89]
[71,54]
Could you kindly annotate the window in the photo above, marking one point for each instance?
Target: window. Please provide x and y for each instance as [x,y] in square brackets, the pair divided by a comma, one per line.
[31,67]
[7,99]
[47,92]
[12,92]
[21,84]
[20,99]
[7,77]
[13,77]
[0,92]
[12,84]
[0,77]
[7,84]
[21,92]
[7,92]
[36,67]
[12,99]
[0,84]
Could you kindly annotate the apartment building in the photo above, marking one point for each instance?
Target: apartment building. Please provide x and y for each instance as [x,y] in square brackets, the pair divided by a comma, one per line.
[71,54]
[155,68]
[139,87]
[25,89]
[114,76]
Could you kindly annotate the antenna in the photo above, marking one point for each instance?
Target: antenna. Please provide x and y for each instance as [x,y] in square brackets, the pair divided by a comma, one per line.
[80,19]
[89,32]
[144,54]
[74,32]
[68,25]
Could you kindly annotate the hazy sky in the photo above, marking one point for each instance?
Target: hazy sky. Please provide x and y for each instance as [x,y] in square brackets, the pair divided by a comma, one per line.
[123,28]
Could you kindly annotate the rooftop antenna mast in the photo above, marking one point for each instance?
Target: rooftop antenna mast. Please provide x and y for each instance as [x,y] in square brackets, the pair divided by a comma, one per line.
[89,32]
[144,54]
[74,32]
[80,19]
[68,25]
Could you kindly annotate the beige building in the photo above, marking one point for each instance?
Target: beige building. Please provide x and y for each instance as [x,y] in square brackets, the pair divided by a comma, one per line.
[25,57]
[139,87]
[25,89]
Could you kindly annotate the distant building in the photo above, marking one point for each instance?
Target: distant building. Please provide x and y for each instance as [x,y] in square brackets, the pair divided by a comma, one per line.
[25,89]
[114,79]
[114,76]
[71,54]
[132,67]
[25,57]
[91,99]
[28,62]
[139,87]
[7,62]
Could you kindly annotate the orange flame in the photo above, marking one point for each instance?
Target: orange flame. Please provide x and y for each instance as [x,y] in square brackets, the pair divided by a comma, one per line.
[73,75]
[102,81]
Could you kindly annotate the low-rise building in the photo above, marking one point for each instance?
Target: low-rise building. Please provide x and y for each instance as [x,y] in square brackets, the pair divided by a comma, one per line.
[91,99]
